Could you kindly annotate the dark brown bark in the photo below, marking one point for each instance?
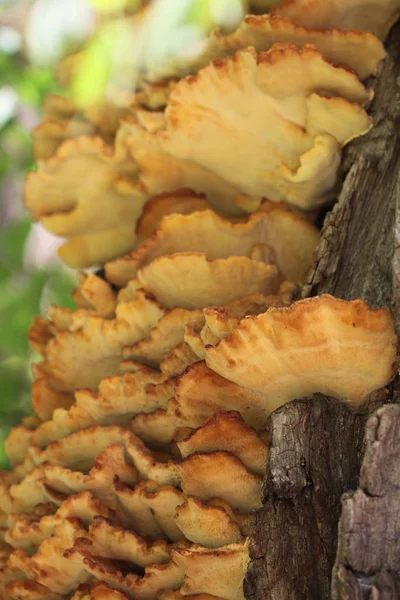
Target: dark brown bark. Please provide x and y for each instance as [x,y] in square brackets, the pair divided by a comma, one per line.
[368,564]
[316,444]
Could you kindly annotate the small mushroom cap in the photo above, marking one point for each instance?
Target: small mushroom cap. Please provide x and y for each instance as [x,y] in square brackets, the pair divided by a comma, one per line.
[190,280]
[118,400]
[217,572]
[95,294]
[133,510]
[27,534]
[183,201]
[166,335]
[143,587]
[376,16]
[171,595]
[110,541]
[158,429]
[292,239]
[323,344]
[210,526]
[222,475]
[110,199]
[159,468]
[50,135]
[180,358]
[50,567]
[92,348]
[98,591]
[228,431]
[355,50]
[201,392]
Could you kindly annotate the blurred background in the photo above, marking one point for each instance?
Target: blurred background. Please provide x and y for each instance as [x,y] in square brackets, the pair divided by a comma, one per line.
[34,36]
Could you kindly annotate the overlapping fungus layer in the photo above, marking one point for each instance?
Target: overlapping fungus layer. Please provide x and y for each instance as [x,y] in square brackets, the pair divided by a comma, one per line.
[138,475]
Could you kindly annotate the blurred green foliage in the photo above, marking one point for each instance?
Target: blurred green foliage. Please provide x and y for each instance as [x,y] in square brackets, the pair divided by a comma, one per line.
[25,292]
[31,84]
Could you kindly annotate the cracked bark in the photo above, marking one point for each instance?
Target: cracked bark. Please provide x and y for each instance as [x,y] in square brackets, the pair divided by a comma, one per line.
[317,443]
[368,561]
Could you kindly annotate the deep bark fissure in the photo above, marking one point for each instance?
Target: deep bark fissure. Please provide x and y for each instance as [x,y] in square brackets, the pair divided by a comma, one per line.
[317,444]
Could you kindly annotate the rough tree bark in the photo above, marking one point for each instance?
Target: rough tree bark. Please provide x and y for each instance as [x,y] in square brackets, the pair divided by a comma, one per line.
[368,559]
[317,443]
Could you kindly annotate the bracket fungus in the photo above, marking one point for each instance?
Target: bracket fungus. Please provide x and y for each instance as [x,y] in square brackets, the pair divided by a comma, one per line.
[363,15]
[311,347]
[138,475]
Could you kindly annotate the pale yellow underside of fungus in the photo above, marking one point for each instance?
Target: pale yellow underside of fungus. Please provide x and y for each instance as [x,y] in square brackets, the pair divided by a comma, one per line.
[292,240]
[190,280]
[183,202]
[166,335]
[223,475]
[294,153]
[376,16]
[322,344]
[87,192]
[161,172]
[118,400]
[355,50]
[92,347]
[171,595]
[217,572]
[228,431]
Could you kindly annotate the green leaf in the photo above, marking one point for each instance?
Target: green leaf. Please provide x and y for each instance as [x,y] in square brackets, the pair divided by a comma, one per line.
[12,244]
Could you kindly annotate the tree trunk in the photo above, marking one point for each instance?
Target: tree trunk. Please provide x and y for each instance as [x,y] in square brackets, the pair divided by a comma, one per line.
[317,443]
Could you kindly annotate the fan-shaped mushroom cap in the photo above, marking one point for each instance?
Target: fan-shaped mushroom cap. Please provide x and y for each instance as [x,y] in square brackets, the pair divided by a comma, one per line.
[156,577]
[92,349]
[163,503]
[157,429]
[95,294]
[25,533]
[358,51]
[61,121]
[377,16]
[222,475]
[190,280]
[166,335]
[171,595]
[133,510]
[49,135]
[18,442]
[40,333]
[50,567]
[110,541]
[98,591]
[228,431]
[200,393]
[180,358]
[162,172]
[159,468]
[284,154]
[292,239]
[323,344]
[46,399]
[86,189]
[183,201]
[210,526]
[118,400]
[217,572]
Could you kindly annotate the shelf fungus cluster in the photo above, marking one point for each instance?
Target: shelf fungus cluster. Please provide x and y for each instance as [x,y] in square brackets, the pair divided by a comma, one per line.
[138,474]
